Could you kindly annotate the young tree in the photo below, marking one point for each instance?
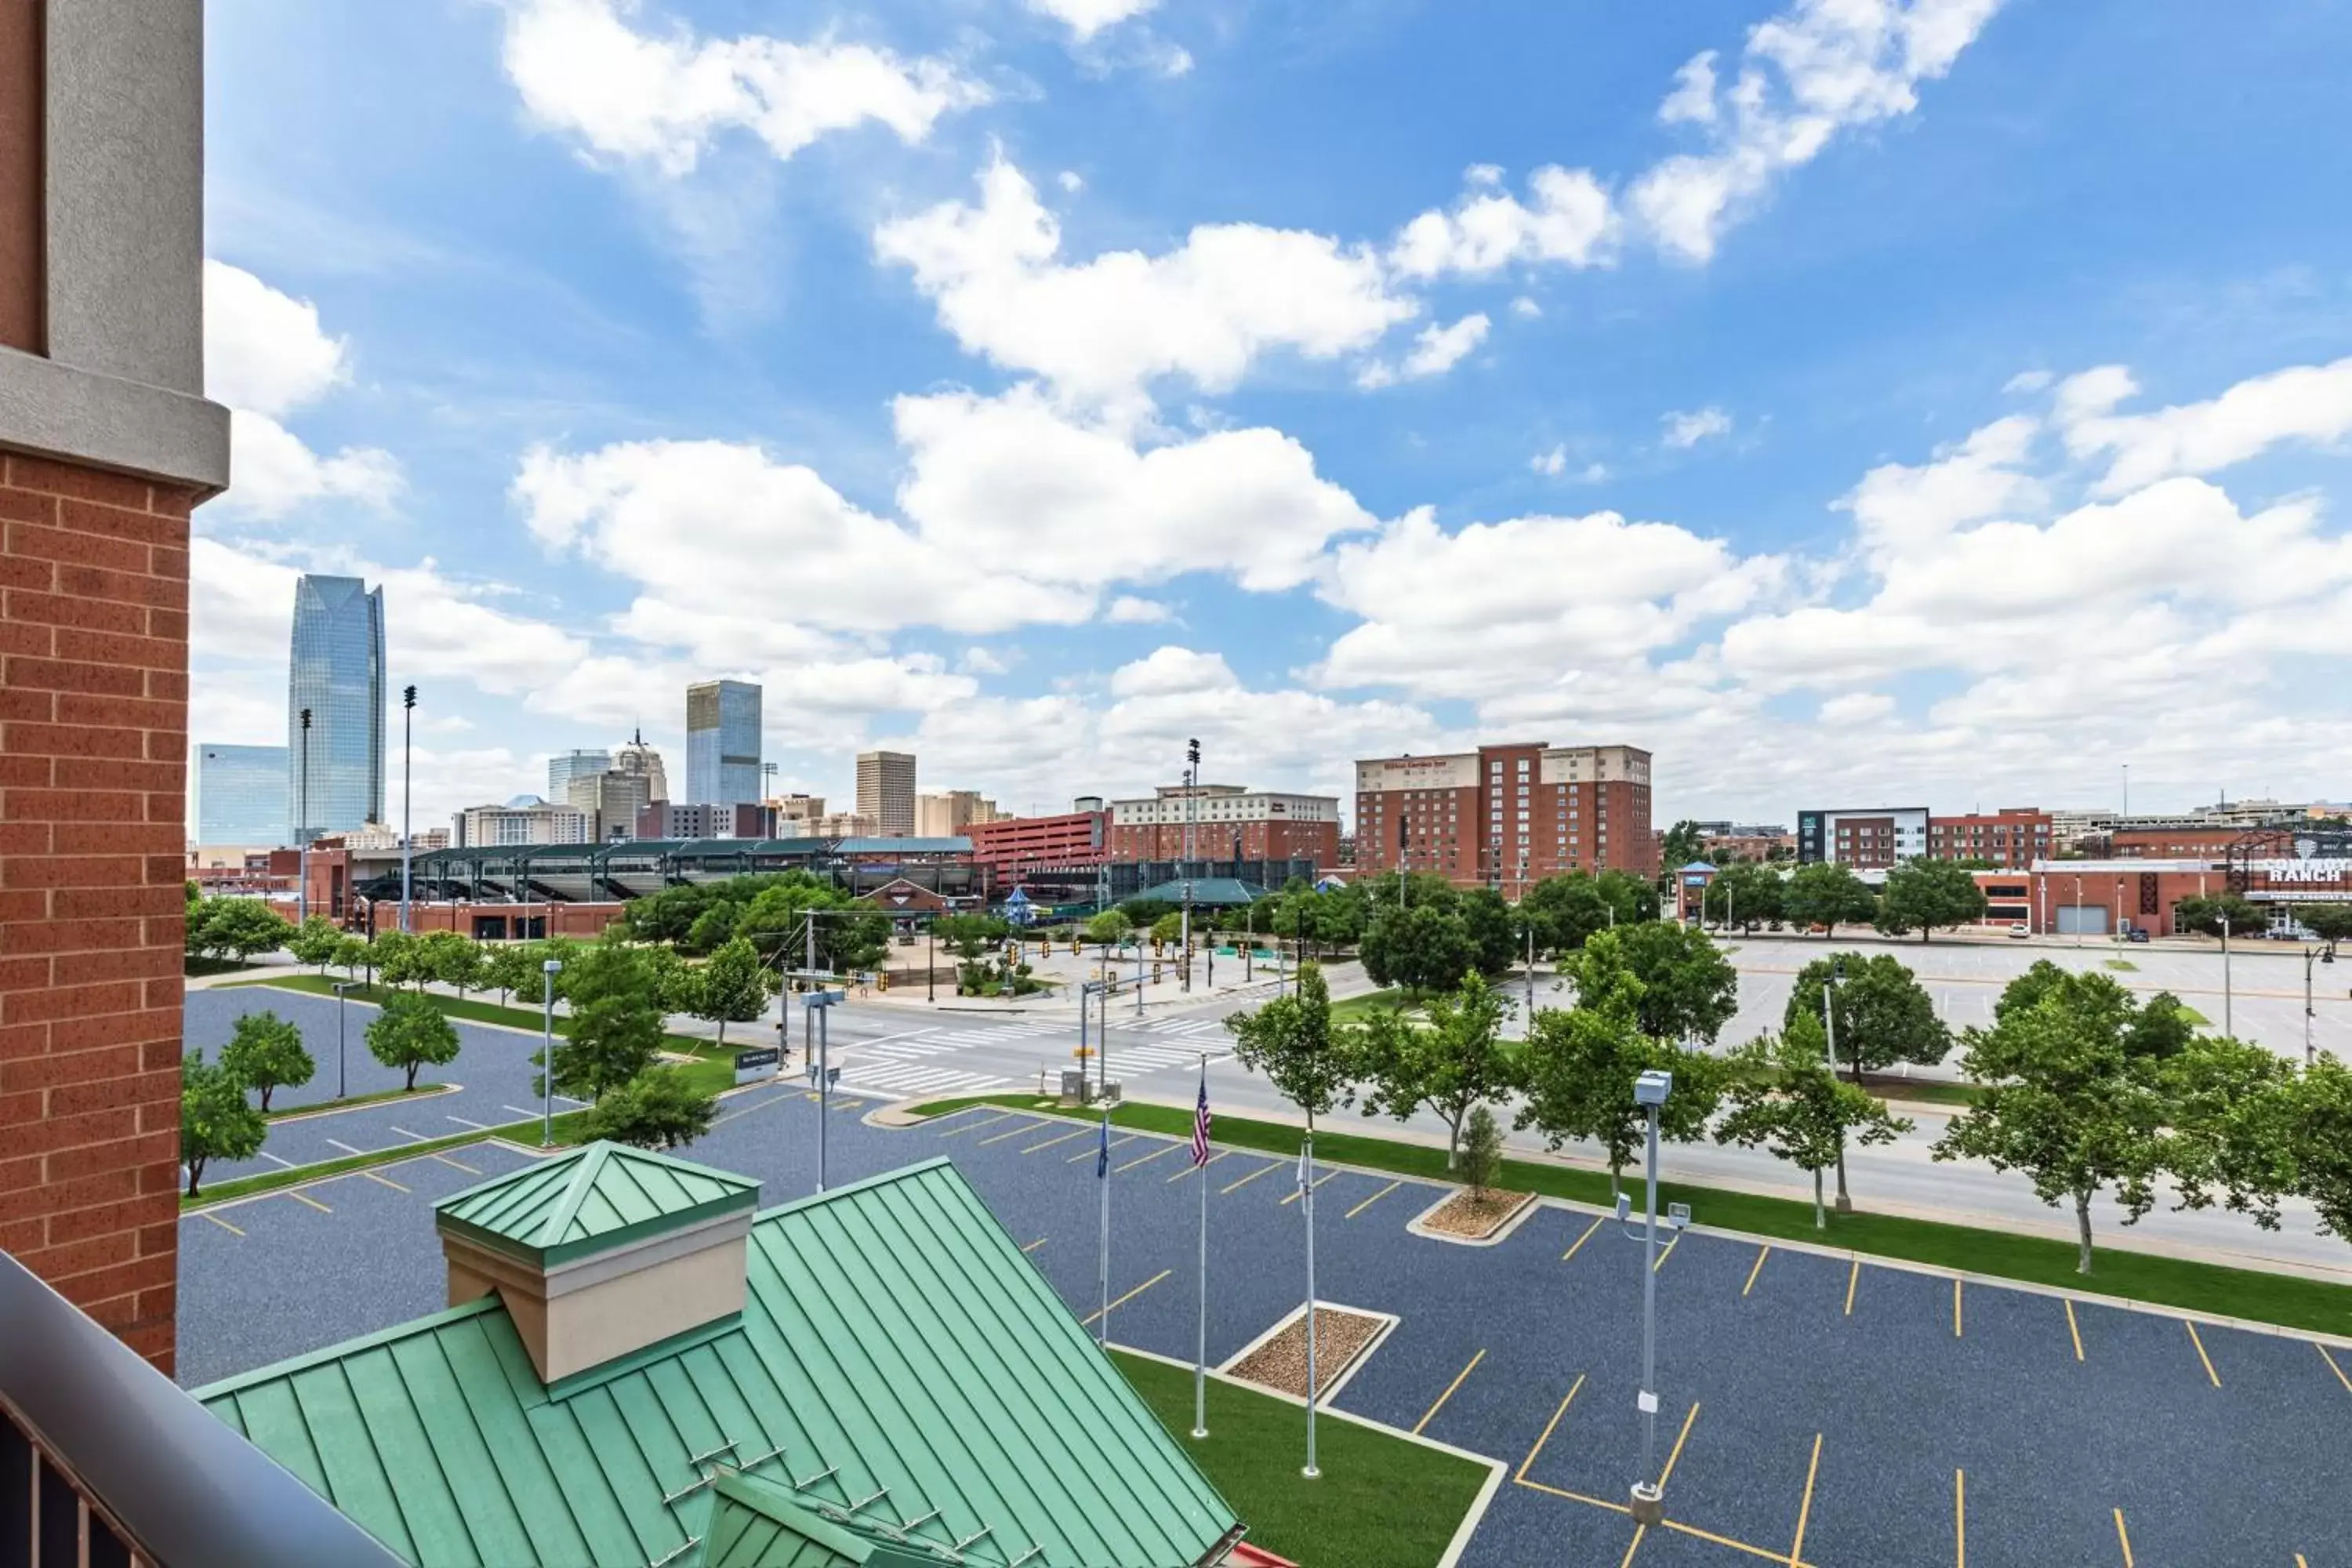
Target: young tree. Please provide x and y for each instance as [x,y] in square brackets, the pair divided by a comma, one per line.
[215,1121]
[2161,1028]
[1482,1151]
[1787,1101]
[243,927]
[1745,894]
[1579,1071]
[969,937]
[713,928]
[1564,911]
[615,1029]
[1924,894]
[352,954]
[2331,923]
[410,1033]
[511,969]
[731,986]
[265,1052]
[1107,929]
[452,959]
[2061,1100]
[1883,1015]
[2205,916]
[2316,1117]
[1689,990]
[658,1108]
[400,959]
[1422,947]
[2240,1117]
[1451,1067]
[1828,895]
[315,941]
[1168,930]
[1631,898]
[1289,1040]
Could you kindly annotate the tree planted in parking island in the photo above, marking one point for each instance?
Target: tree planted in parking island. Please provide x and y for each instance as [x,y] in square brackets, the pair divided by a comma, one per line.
[1922,895]
[1828,895]
[1787,1099]
[1289,1040]
[215,1121]
[1688,989]
[730,986]
[1564,911]
[265,1052]
[1579,1070]
[1482,1151]
[410,1033]
[316,941]
[1883,1015]
[615,1032]
[658,1108]
[1455,1065]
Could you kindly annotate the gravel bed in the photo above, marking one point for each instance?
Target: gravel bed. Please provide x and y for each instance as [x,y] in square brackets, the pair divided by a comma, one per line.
[1281,1362]
[1475,1214]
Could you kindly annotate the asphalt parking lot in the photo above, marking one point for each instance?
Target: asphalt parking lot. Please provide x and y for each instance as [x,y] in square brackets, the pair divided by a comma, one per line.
[1812,1410]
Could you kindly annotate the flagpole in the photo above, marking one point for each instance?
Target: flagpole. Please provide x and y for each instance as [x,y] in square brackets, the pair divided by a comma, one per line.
[1306,1202]
[1200,1342]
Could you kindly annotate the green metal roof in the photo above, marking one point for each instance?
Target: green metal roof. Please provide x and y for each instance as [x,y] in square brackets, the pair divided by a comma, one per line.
[899,1366]
[756,1523]
[1217,892]
[600,1196]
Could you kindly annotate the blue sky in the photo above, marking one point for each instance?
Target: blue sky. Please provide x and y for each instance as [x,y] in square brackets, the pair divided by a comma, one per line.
[1845,400]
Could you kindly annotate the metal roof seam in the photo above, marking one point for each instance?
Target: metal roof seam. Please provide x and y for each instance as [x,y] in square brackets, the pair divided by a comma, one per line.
[489,1448]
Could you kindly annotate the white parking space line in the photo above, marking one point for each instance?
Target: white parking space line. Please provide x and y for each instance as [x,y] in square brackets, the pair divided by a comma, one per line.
[346,1147]
[519,1111]
[413,1137]
[462,1121]
[283,1164]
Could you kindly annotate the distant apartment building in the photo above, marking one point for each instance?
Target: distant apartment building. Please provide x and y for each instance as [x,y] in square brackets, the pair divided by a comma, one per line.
[2014,837]
[524,820]
[640,760]
[684,819]
[1862,836]
[241,796]
[944,814]
[793,813]
[722,743]
[1229,823]
[1015,846]
[2176,838]
[383,836]
[1507,816]
[886,792]
[2069,828]
[1758,843]
[565,766]
[848,825]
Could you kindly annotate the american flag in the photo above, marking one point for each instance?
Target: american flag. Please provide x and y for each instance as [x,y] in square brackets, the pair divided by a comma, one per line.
[1201,1122]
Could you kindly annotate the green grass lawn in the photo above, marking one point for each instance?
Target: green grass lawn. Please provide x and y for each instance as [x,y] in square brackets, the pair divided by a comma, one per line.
[1931,1092]
[2255,1294]
[2191,1015]
[1355,1009]
[1380,1501]
[350,1102]
[466,1009]
[2125,964]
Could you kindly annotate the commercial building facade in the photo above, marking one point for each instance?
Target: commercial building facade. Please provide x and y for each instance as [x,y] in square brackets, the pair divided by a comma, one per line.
[565,766]
[336,676]
[241,796]
[886,792]
[942,814]
[1507,816]
[677,819]
[722,743]
[1018,845]
[1228,823]
[611,800]
[641,761]
[1862,836]
[540,822]
[2014,837]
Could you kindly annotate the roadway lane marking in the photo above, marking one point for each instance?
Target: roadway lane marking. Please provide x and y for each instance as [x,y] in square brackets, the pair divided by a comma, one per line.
[1956,1309]
[1669,1252]
[2075,1330]
[1369,1202]
[384,1181]
[1023,1131]
[1191,1170]
[1580,1241]
[2200,1355]
[1090,1154]
[1130,1296]
[1528,1463]
[1431,1411]
[281,1164]
[220,1222]
[346,1147]
[1960,1519]
[460,1165]
[477,1126]
[1762,1254]
[1253,1176]
[2123,1538]
[973,1126]
[1164,1148]
[1049,1143]
[1317,1181]
[1805,1508]
[1851,1280]
[2338,1371]
[304,1198]
[404,1133]
[1034,1245]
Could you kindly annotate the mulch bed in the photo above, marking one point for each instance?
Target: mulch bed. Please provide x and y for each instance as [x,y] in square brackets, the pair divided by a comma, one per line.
[1281,1362]
[1478,1216]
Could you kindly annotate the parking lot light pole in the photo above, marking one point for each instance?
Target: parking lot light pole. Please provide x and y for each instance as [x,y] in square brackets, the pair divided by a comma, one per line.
[2226,997]
[821,1069]
[1829,1030]
[1650,1091]
[2312,955]
[344,987]
[549,968]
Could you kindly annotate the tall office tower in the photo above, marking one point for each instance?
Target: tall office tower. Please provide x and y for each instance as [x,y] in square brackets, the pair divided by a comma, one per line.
[644,762]
[241,796]
[565,766]
[336,673]
[722,743]
[611,802]
[886,792]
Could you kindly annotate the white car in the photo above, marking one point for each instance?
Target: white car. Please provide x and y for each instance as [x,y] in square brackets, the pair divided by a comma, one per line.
[2018,929]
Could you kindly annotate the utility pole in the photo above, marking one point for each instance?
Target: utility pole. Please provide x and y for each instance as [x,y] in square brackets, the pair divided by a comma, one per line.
[407,746]
[1192,814]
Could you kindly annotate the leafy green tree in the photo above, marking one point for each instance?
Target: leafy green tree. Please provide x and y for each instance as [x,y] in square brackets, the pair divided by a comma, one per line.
[2240,1120]
[452,959]
[352,954]
[616,1030]
[1482,1151]
[1631,898]
[2316,1124]
[265,1054]
[1787,1101]
[2160,1029]
[776,918]
[2331,923]
[410,1033]
[658,1108]
[730,986]
[1107,929]
[1289,1040]
[1689,990]
[713,928]
[215,1121]
[2061,1100]
[969,937]
[1564,911]
[240,928]
[1883,1015]
[1745,894]
[2204,916]
[1922,895]
[315,941]
[511,969]
[1826,894]
[1422,947]
[1684,844]
[1168,930]
[1451,1067]
[1493,932]
[1579,1069]
[400,959]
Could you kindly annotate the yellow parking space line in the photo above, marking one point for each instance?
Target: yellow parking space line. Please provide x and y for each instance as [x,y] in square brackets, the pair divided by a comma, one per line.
[1669,1252]
[1805,1508]
[2123,1538]
[384,1181]
[1374,1199]
[1253,1176]
[459,1163]
[1762,1254]
[1580,1241]
[1130,1296]
[2200,1353]
[1034,1245]
[1190,1169]
[1090,1154]
[1851,1280]
[1430,1413]
[2299,1563]
[976,1126]
[1020,1131]
[1956,1309]
[1164,1150]
[1960,1519]
[1696,1532]
[1640,1531]
[305,1198]
[1594,1501]
[220,1222]
[1528,1463]
[2074,1330]
[1065,1138]
[2338,1371]
[1315,1183]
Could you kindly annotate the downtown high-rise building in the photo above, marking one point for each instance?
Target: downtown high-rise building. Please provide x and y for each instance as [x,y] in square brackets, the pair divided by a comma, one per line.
[334,780]
[886,792]
[644,762]
[723,743]
[565,766]
[241,796]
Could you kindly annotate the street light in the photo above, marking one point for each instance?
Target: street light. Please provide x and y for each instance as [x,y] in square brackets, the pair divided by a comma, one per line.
[407,738]
[1650,1091]
[344,987]
[302,828]
[2310,956]
[1191,812]
[820,1070]
[2226,997]
[549,968]
[1829,1032]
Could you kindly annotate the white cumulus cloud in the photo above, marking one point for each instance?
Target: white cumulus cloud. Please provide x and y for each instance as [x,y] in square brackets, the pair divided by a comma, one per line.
[1569,218]
[1085,18]
[1684,430]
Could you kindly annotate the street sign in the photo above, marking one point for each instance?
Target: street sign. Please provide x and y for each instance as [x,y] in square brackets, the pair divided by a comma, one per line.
[764,1062]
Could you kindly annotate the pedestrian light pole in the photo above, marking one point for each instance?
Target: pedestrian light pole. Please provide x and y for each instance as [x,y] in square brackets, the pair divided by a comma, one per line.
[407,749]
[549,969]
[344,987]
[1650,1091]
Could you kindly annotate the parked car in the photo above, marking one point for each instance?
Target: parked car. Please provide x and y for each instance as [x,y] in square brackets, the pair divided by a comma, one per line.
[2136,934]
[2020,929]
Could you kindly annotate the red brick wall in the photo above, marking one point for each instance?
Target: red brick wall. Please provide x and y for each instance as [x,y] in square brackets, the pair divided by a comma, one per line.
[1266,838]
[93,766]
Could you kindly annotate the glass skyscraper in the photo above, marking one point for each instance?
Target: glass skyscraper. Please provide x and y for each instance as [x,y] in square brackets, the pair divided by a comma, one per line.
[337,672]
[565,766]
[241,796]
[723,743]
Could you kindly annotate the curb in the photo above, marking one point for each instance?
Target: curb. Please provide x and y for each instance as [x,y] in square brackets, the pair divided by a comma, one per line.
[429,1092]
[1418,1224]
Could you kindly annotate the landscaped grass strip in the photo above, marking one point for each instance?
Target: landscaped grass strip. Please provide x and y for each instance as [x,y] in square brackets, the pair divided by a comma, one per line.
[568,1129]
[2289,1300]
[353,1102]
[1380,1501]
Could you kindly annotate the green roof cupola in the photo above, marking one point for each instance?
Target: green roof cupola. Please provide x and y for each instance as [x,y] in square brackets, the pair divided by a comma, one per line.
[601,1253]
